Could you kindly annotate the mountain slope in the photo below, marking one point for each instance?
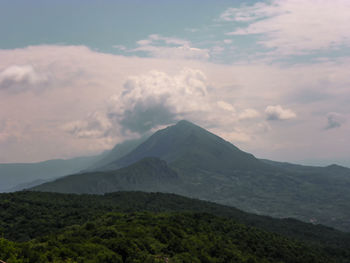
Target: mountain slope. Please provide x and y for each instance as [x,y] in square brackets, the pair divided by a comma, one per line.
[149,174]
[116,153]
[213,169]
[192,146]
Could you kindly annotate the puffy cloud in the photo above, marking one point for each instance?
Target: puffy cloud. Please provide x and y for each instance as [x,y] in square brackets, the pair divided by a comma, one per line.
[147,101]
[18,78]
[294,26]
[170,48]
[156,98]
[334,120]
[278,113]
[248,114]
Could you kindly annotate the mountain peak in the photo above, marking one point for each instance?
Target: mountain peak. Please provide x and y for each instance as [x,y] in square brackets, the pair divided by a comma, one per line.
[188,145]
[185,123]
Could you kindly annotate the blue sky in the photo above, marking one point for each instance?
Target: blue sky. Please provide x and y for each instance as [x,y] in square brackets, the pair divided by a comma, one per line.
[100,24]
[76,77]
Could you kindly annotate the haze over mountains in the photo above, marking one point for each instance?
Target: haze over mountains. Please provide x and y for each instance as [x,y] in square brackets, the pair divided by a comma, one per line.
[17,176]
[188,160]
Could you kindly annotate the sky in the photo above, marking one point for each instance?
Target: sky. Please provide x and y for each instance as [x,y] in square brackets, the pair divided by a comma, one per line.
[272,77]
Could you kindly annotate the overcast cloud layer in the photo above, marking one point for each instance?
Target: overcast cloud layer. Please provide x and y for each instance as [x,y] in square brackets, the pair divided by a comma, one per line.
[287,100]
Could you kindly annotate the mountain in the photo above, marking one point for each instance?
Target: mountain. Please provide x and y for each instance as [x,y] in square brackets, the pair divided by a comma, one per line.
[156,176]
[190,146]
[213,169]
[19,176]
[116,153]
[14,176]
[37,227]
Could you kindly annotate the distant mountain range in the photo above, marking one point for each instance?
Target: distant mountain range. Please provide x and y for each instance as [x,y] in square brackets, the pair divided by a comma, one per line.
[17,176]
[188,160]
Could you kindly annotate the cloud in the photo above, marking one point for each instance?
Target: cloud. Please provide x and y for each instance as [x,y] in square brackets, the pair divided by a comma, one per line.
[278,113]
[334,120]
[146,102]
[120,47]
[96,125]
[56,123]
[248,114]
[17,78]
[292,27]
[226,106]
[9,132]
[249,13]
[157,98]
[170,48]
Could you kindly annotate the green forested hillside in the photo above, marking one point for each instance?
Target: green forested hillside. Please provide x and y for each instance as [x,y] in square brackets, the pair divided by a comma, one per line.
[59,225]
[147,237]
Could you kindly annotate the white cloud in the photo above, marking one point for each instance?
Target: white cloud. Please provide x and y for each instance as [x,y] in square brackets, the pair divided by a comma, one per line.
[334,120]
[96,125]
[278,113]
[167,40]
[157,98]
[170,48]
[248,114]
[250,13]
[17,78]
[226,106]
[295,26]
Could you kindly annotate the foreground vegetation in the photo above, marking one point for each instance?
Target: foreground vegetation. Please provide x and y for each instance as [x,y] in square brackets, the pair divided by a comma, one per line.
[147,237]
[46,227]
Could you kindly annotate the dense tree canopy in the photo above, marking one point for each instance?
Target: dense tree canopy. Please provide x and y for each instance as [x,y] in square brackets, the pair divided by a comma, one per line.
[47,227]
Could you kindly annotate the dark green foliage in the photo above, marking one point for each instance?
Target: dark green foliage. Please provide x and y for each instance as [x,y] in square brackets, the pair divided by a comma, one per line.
[146,237]
[32,216]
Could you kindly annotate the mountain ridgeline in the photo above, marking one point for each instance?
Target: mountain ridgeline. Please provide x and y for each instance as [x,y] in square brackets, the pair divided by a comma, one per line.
[156,176]
[190,146]
[17,176]
[188,160]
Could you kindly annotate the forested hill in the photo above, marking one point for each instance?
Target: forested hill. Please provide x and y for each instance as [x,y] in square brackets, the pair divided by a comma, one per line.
[152,227]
